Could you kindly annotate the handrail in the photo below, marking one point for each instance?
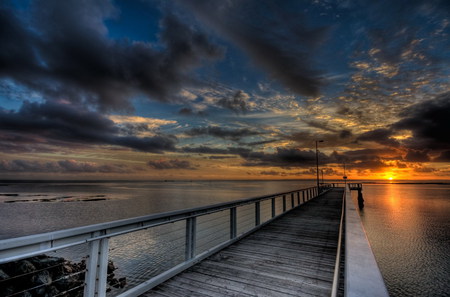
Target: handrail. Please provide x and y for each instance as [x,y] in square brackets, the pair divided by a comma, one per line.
[337,265]
[98,235]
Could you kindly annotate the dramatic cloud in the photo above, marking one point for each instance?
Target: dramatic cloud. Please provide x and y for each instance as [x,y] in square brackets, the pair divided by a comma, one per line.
[62,50]
[237,103]
[215,131]
[271,35]
[427,122]
[417,156]
[139,126]
[73,124]
[171,164]
[64,166]
[443,157]
[382,136]
[185,111]
[217,151]
[284,158]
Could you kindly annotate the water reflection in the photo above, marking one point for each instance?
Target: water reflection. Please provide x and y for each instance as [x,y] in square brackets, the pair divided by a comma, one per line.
[408,228]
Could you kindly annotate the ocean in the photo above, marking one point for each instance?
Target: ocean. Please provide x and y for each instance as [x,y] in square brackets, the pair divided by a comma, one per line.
[407,224]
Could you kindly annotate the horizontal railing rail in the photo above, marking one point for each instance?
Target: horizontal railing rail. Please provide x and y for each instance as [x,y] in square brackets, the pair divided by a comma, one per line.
[97,236]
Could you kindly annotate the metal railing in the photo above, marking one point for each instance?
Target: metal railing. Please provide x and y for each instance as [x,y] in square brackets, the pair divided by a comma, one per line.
[260,210]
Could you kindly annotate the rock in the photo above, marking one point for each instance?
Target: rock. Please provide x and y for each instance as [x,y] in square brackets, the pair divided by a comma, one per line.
[26,294]
[46,276]
[51,291]
[111,267]
[42,278]
[3,275]
[41,262]
[24,267]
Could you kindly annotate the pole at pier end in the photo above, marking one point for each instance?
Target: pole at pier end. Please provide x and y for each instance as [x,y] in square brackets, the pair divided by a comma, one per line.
[317,166]
[345,177]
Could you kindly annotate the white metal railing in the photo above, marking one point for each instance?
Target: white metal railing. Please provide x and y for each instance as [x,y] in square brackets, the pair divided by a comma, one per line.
[98,236]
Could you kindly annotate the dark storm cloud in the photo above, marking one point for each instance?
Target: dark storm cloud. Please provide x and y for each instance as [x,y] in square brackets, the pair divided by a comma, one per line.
[331,139]
[371,159]
[220,151]
[443,157]
[382,136]
[417,156]
[275,36]
[342,133]
[237,102]
[215,131]
[185,111]
[66,123]
[171,164]
[284,158]
[427,121]
[63,166]
[62,50]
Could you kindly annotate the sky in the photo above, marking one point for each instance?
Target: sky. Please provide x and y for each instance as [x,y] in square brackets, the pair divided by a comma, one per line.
[204,89]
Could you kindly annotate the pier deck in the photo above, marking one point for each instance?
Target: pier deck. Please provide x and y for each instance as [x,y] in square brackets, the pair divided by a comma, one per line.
[292,256]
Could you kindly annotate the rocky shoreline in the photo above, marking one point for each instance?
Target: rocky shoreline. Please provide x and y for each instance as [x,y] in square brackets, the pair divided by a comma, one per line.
[45,276]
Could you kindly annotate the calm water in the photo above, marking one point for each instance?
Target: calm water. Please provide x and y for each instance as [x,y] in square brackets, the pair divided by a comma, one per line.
[407,224]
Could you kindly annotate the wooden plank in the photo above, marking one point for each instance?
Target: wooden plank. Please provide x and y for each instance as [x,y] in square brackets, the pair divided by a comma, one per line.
[187,281]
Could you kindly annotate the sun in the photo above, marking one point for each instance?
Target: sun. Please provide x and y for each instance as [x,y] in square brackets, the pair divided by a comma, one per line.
[390,178]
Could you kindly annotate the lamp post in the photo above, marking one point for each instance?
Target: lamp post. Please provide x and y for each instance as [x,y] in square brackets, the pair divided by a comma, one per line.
[317,164]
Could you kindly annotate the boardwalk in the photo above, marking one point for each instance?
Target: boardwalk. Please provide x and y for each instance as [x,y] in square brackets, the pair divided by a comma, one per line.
[292,256]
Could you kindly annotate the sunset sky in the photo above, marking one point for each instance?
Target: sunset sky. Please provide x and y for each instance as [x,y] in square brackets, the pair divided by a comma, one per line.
[229,89]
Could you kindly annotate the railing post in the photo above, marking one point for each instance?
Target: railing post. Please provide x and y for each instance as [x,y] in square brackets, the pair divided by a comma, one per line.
[273,207]
[303,196]
[191,226]
[91,269]
[103,267]
[233,223]
[97,267]
[284,203]
[298,198]
[257,213]
[292,200]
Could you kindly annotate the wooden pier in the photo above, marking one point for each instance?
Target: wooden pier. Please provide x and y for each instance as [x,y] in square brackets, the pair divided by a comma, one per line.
[292,256]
